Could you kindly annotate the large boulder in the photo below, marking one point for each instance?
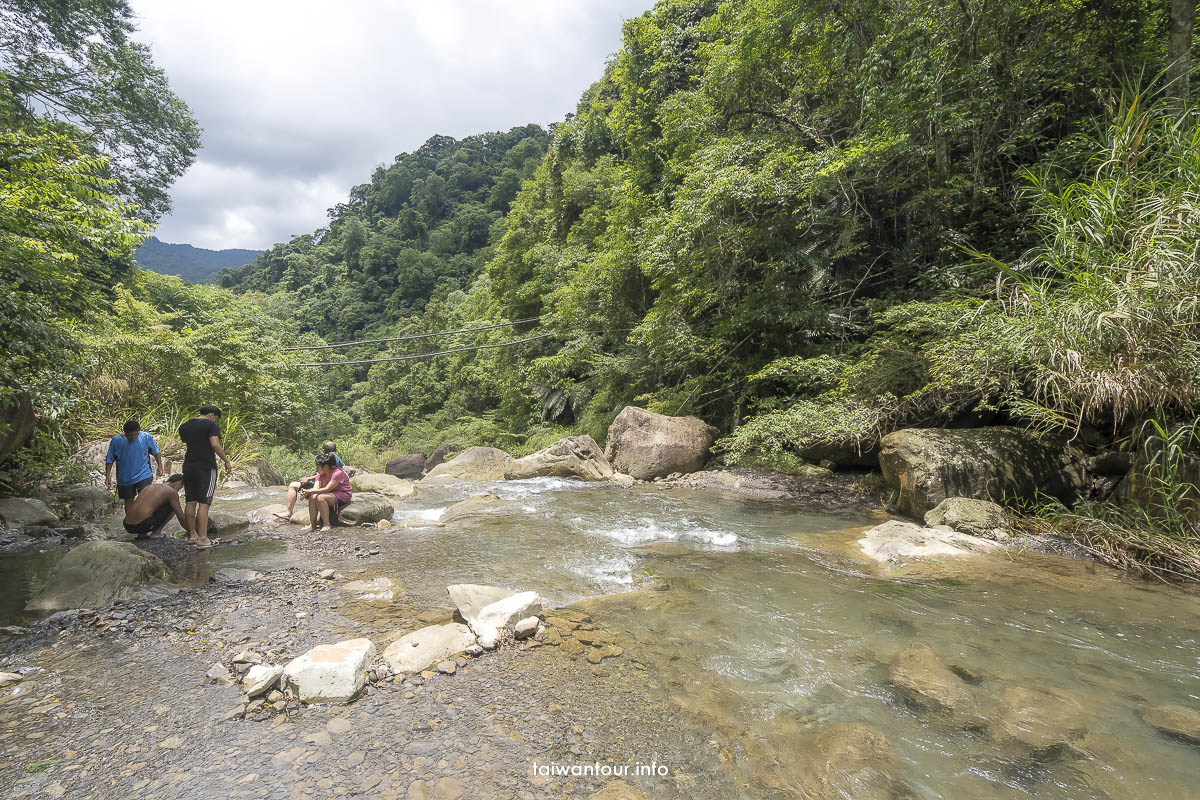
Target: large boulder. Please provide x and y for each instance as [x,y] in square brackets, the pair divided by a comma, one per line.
[490,609]
[17,421]
[974,517]
[226,523]
[895,541]
[410,465]
[382,483]
[418,650]
[83,502]
[927,465]
[440,454]
[17,513]
[474,464]
[330,672]
[257,474]
[366,507]
[95,574]
[648,445]
[573,457]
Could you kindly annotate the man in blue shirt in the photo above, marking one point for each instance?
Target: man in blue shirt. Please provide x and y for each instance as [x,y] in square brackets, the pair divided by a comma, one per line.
[331,449]
[131,452]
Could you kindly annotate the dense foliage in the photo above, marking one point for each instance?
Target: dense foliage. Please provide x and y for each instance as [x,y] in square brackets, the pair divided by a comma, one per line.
[808,223]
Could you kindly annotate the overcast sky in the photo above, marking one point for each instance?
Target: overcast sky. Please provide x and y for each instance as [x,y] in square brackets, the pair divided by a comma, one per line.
[301,100]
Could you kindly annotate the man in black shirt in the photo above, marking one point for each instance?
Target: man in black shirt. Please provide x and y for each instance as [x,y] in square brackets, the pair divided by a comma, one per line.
[202,436]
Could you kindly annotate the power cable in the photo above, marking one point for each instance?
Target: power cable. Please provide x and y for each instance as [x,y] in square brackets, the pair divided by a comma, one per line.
[427,355]
[409,338]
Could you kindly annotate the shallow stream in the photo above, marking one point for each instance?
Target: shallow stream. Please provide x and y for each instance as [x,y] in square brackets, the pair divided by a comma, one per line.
[774,625]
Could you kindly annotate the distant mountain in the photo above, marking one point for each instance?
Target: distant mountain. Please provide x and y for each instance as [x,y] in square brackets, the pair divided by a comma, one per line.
[193,264]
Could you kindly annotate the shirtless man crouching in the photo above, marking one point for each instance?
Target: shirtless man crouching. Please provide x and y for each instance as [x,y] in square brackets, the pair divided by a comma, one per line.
[151,510]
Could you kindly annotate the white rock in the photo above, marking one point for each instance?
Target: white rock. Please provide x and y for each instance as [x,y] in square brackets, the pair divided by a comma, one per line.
[260,678]
[7,678]
[327,574]
[247,657]
[526,628]
[502,614]
[234,575]
[330,672]
[216,671]
[894,541]
[415,651]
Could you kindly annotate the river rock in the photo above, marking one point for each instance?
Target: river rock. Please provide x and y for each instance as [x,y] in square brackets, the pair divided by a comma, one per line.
[9,678]
[379,588]
[970,516]
[846,760]
[266,514]
[440,454]
[382,483]
[573,457]
[474,464]
[260,678]
[918,676]
[479,505]
[235,575]
[648,445]
[82,502]
[410,466]
[1045,723]
[216,672]
[330,672]
[526,627]
[895,542]
[1174,720]
[17,513]
[367,507]
[94,574]
[413,652]
[489,609]
[927,465]
[224,523]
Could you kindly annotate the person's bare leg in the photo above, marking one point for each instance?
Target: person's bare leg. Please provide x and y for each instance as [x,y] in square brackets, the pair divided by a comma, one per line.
[323,503]
[202,525]
[128,503]
[293,494]
[189,516]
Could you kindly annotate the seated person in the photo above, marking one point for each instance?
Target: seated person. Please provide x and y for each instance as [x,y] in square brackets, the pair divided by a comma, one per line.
[330,494]
[331,448]
[150,510]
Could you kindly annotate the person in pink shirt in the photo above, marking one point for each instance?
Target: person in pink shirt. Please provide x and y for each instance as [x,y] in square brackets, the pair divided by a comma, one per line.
[329,495]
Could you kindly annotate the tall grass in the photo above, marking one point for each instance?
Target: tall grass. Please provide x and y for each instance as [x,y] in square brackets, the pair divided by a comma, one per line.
[1154,531]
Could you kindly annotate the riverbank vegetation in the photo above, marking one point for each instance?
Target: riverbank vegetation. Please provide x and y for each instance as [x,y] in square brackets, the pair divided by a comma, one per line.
[809,224]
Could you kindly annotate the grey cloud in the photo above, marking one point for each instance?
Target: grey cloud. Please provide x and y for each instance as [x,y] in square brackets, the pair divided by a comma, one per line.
[299,107]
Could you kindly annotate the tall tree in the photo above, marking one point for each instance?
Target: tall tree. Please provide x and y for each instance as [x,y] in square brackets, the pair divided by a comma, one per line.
[1179,50]
[73,61]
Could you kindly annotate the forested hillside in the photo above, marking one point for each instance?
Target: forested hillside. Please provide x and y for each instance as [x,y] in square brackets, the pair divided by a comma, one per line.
[195,264]
[807,223]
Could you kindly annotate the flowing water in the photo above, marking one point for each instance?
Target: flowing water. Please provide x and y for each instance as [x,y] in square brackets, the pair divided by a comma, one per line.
[773,625]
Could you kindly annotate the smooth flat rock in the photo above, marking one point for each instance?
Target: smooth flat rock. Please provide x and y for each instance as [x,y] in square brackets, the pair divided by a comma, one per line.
[895,541]
[379,588]
[330,672]
[414,652]
[382,483]
[94,574]
[478,506]
[266,514]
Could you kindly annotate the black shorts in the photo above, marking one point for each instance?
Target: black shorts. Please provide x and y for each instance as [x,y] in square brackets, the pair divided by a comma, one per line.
[132,490]
[199,482]
[157,518]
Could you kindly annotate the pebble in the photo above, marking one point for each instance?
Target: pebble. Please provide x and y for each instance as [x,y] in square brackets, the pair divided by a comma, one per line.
[327,574]
[447,667]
